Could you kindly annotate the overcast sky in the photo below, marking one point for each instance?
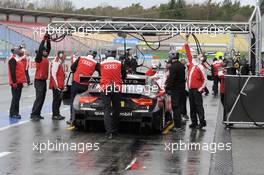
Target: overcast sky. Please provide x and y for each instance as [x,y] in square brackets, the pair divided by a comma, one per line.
[145,3]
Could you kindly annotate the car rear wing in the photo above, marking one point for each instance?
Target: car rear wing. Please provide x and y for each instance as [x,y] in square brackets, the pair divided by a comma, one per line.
[130,81]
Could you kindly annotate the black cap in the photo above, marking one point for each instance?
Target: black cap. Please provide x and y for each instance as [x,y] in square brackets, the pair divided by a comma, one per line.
[174,55]
[61,51]
[92,52]
[111,53]
[13,50]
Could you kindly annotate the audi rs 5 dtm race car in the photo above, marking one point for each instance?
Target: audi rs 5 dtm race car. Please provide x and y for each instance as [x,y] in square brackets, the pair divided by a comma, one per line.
[143,100]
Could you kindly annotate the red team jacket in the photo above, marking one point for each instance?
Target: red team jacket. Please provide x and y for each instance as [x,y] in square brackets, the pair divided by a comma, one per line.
[86,67]
[25,62]
[221,75]
[150,72]
[20,73]
[217,65]
[60,75]
[111,74]
[196,77]
[42,69]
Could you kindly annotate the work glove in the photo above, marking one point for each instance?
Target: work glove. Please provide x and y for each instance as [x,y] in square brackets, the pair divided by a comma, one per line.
[14,86]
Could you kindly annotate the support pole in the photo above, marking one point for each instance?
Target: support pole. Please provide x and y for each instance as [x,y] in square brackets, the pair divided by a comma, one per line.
[232,45]
[258,37]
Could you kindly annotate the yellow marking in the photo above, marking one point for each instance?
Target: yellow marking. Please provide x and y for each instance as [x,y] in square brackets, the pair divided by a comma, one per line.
[168,128]
[71,127]
[122,104]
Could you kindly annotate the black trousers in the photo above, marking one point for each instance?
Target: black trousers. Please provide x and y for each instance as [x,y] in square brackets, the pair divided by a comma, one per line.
[56,103]
[16,95]
[76,89]
[196,106]
[41,89]
[216,81]
[184,103]
[177,100]
[111,103]
[27,76]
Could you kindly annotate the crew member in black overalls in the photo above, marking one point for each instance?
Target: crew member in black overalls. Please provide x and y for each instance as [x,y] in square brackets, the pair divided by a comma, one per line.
[175,86]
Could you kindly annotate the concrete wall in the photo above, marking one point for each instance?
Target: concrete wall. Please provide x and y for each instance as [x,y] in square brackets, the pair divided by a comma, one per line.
[28,18]
[2,17]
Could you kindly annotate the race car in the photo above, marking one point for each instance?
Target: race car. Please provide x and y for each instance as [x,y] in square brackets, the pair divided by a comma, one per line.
[143,101]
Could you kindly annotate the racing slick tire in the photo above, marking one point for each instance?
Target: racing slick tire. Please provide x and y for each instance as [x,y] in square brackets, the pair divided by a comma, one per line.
[158,120]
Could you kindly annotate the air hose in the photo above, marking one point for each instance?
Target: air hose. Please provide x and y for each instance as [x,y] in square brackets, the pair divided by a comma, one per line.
[199,49]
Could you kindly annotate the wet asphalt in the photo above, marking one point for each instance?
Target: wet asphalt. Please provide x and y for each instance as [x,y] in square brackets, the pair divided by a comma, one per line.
[127,153]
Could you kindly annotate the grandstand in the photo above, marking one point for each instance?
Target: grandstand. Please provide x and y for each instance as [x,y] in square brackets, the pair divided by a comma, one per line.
[18,27]
[23,32]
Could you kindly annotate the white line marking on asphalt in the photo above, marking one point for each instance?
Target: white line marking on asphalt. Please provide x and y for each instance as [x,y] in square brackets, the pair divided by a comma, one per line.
[3,154]
[30,96]
[24,122]
[13,125]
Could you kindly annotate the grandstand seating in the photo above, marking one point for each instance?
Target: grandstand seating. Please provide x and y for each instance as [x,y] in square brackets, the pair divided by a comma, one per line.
[23,32]
[15,38]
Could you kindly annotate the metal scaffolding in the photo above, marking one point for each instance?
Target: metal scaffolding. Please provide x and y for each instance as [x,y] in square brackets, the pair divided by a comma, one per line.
[252,28]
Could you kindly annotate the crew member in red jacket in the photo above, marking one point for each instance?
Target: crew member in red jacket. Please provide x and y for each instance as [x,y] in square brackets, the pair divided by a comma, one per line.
[151,71]
[41,76]
[221,75]
[57,77]
[16,78]
[196,84]
[74,57]
[217,64]
[83,66]
[112,73]
[25,61]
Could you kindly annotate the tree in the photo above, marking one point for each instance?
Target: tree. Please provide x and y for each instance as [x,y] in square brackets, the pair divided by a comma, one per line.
[13,3]
[31,6]
[55,5]
[179,8]
[174,9]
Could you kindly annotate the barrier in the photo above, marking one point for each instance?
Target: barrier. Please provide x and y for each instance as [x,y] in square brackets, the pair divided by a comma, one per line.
[244,97]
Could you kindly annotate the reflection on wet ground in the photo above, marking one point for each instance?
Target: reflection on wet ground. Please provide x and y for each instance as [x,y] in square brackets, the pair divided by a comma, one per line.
[127,153]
